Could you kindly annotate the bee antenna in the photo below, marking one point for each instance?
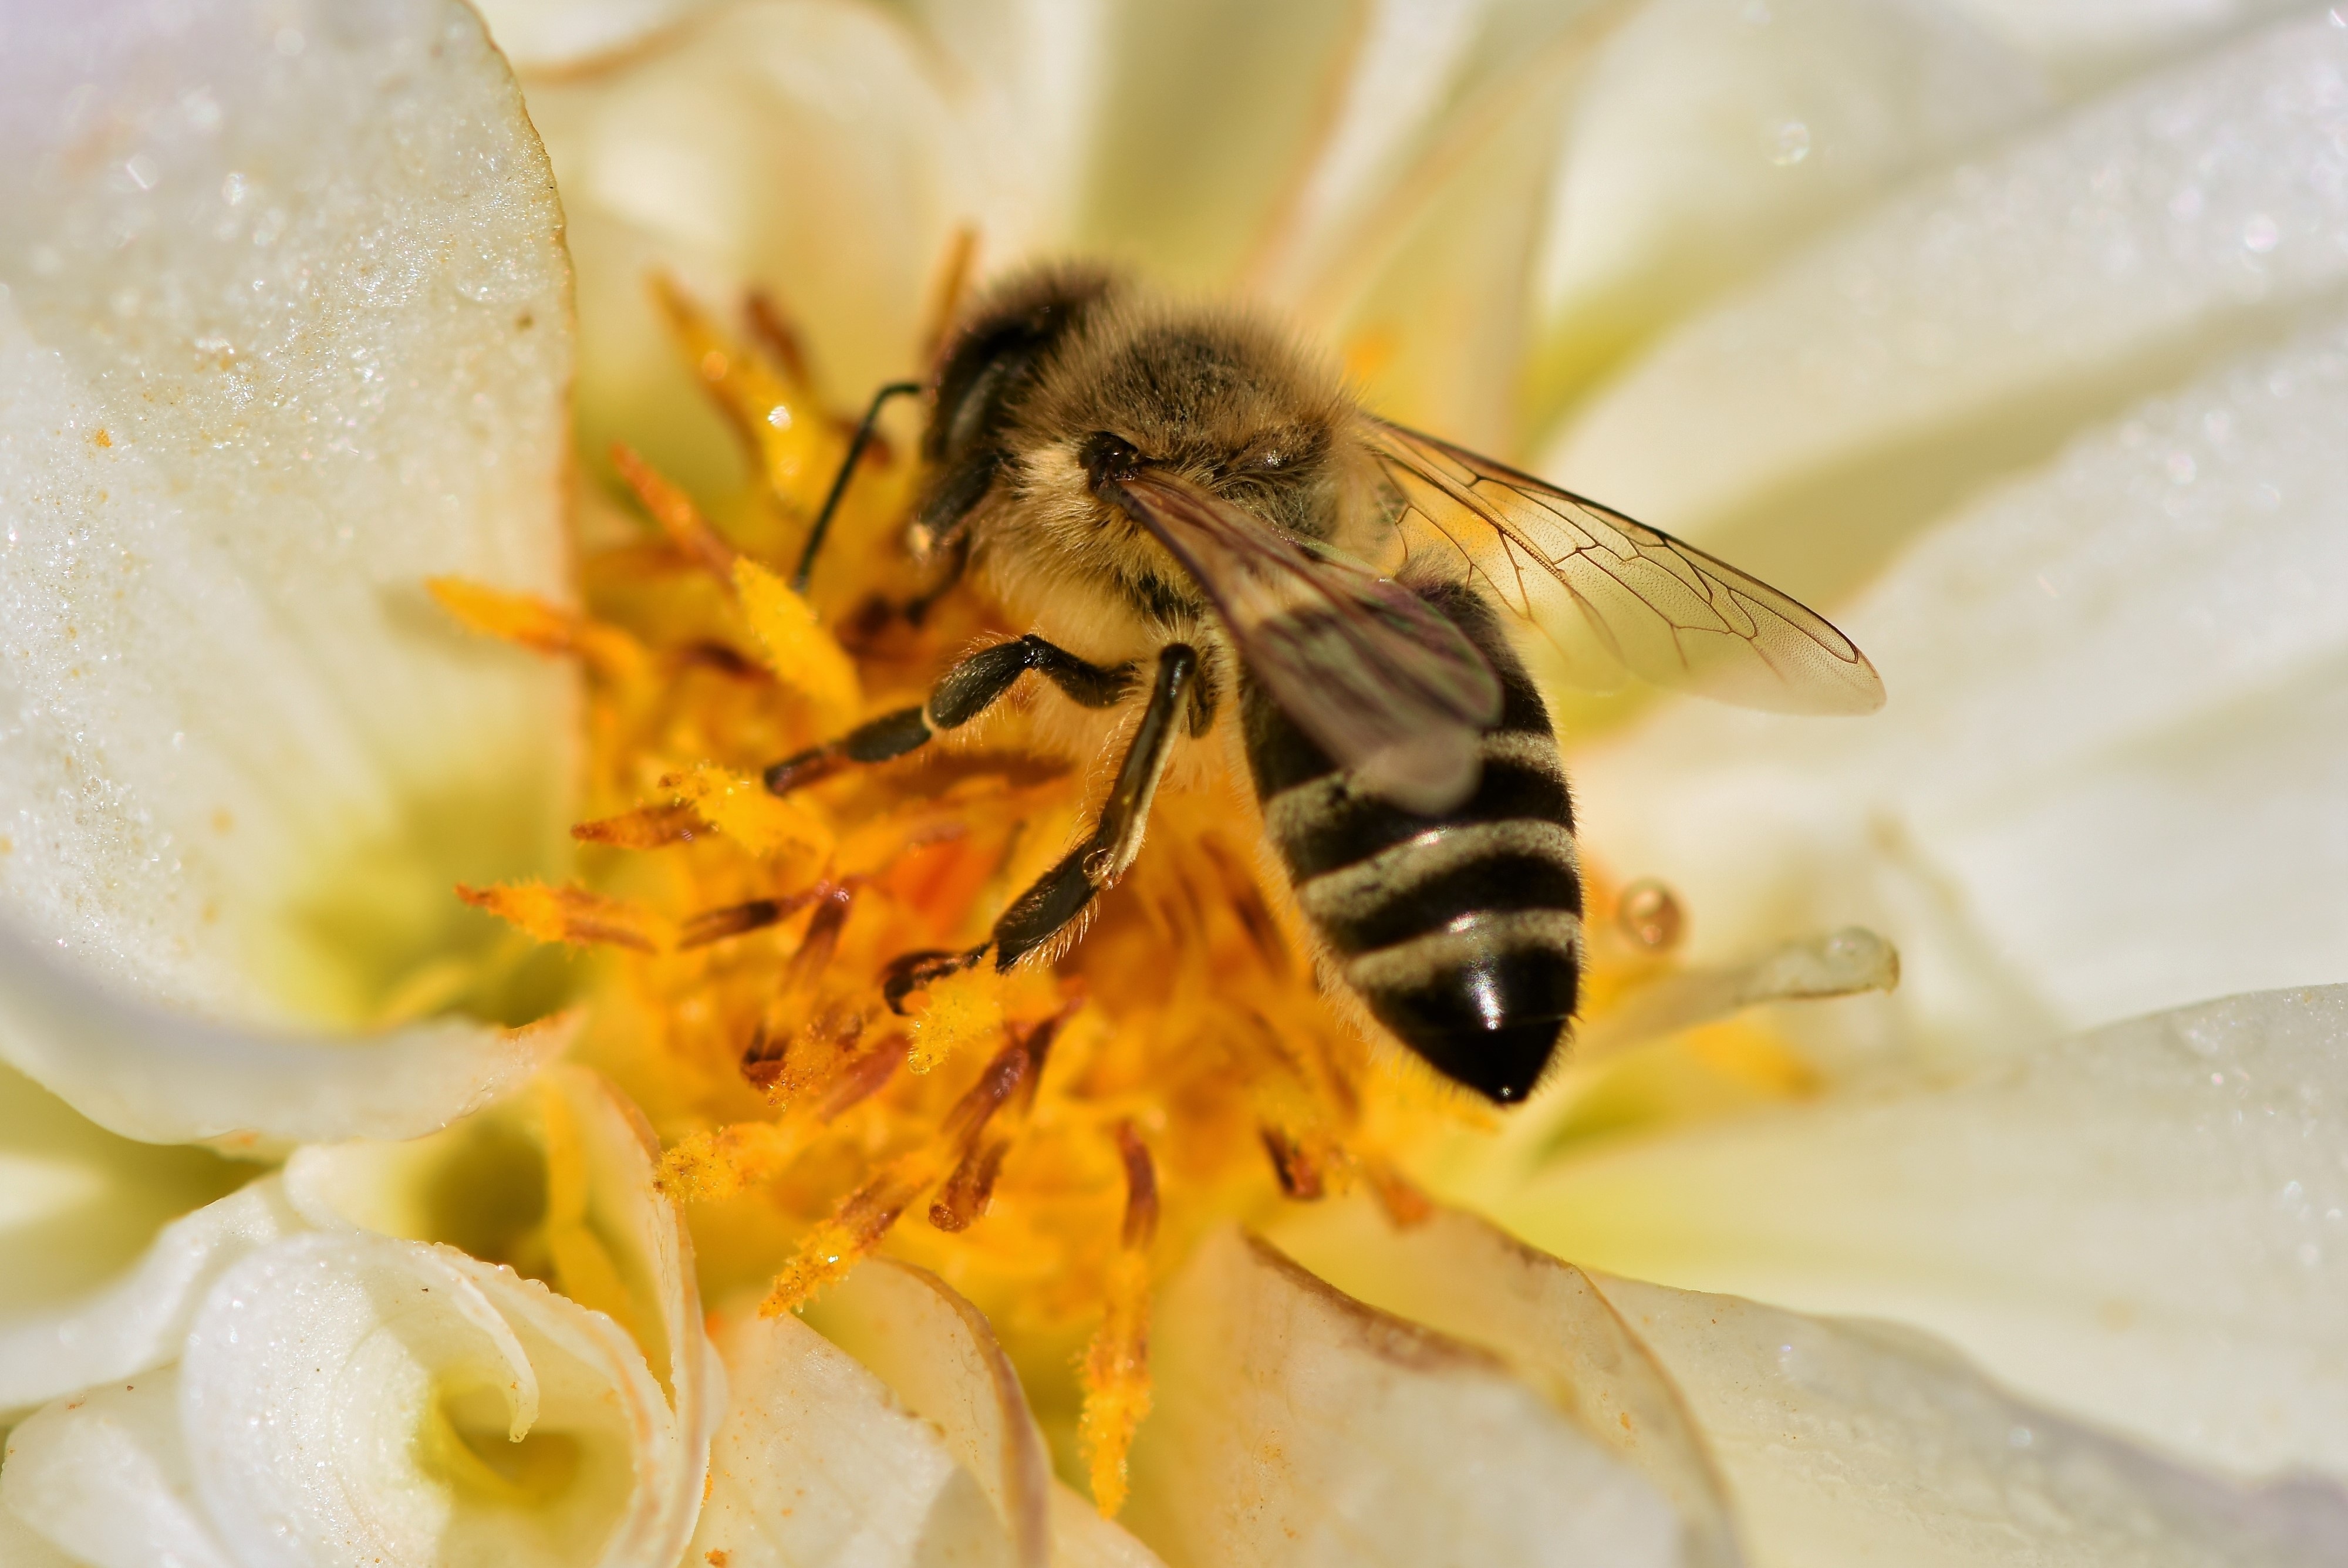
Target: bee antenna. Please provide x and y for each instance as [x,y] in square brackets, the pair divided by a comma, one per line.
[863,440]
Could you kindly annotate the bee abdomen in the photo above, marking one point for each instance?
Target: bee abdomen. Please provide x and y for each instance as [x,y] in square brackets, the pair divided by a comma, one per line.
[1461,933]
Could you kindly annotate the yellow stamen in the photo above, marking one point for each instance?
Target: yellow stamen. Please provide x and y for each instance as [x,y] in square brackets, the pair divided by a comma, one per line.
[573,914]
[777,414]
[1116,1363]
[537,624]
[803,656]
[743,810]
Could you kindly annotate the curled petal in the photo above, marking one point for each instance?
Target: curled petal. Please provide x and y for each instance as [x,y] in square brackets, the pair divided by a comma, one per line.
[1855,1443]
[1457,1274]
[138,1320]
[1968,323]
[868,1482]
[285,334]
[936,1352]
[2139,1226]
[1296,1425]
[348,1396]
[562,1180]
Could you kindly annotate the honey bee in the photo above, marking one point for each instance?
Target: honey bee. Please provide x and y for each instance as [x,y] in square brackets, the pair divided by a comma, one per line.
[1194,514]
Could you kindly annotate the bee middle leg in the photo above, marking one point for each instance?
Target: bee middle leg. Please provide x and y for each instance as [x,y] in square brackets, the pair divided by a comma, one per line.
[1060,895]
[965,691]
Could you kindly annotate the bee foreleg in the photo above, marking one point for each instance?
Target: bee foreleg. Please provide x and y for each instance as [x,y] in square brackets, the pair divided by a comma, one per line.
[967,690]
[1060,895]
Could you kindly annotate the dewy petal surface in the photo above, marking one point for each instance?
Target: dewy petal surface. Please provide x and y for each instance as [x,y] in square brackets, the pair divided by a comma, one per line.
[1295,1426]
[285,333]
[1812,421]
[1853,1444]
[570,1167]
[1711,135]
[350,1397]
[2145,1227]
[2109,776]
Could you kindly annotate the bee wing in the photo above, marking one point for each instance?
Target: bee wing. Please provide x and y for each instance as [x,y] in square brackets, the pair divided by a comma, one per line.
[1388,687]
[1617,595]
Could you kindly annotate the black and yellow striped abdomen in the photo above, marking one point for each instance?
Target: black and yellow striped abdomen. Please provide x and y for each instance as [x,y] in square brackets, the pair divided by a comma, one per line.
[1460,931]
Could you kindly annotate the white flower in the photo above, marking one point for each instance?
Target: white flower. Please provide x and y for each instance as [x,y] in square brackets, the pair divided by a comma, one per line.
[1793,279]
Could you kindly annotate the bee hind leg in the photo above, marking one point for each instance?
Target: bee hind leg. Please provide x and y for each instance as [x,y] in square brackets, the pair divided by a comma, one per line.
[965,691]
[1062,894]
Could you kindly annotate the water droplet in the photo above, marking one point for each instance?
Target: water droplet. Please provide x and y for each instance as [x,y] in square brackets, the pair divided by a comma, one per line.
[1650,914]
[2181,468]
[233,187]
[2260,233]
[2310,1254]
[2020,1438]
[1791,145]
[289,41]
[142,171]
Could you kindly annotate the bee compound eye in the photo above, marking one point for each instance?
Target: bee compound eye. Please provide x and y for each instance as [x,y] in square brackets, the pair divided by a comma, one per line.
[1108,457]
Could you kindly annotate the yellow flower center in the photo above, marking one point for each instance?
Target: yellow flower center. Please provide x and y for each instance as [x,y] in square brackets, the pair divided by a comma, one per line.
[1046,1139]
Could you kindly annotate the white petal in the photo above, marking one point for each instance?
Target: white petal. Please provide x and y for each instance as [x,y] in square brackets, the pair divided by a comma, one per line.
[2145,1227]
[138,1320]
[1208,114]
[1459,1276]
[566,34]
[936,1352]
[1714,134]
[869,1484]
[809,150]
[475,1184]
[20,1547]
[1035,73]
[1807,423]
[1081,1538]
[2116,695]
[1851,1443]
[2087,42]
[104,1477]
[284,334]
[154,1073]
[348,1398]
[1293,1425]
